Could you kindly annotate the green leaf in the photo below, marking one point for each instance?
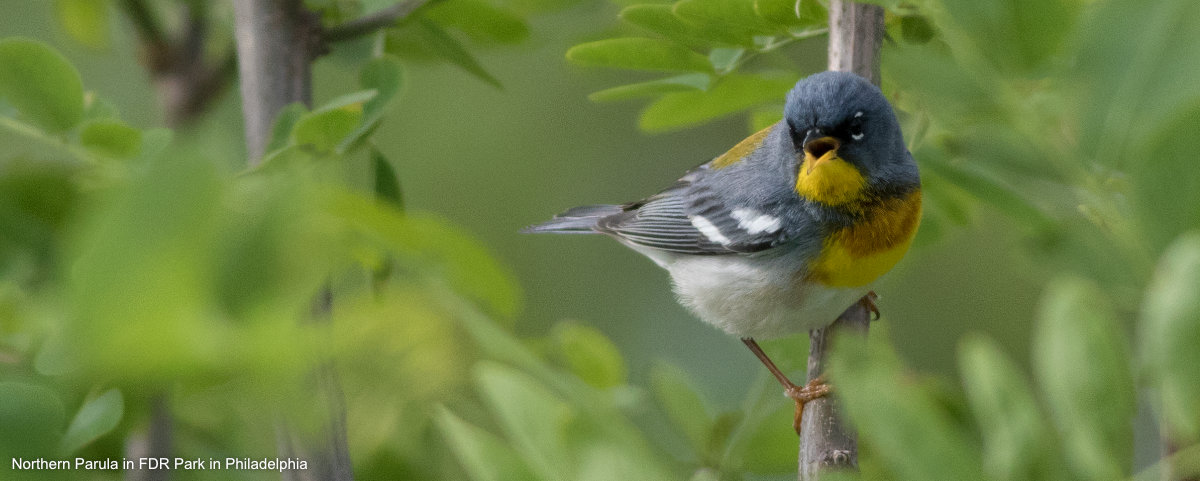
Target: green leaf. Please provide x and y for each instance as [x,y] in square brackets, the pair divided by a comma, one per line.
[285,121]
[384,75]
[94,419]
[590,355]
[732,16]
[916,29]
[906,427]
[328,126]
[1082,362]
[460,259]
[770,447]
[725,59]
[387,186]
[533,418]
[41,84]
[441,44]
[639,54]
[485,456]
[661,19]
[480,20]
[730,94]
[1014,437]
[683,404]
[86,21]
[679,83]
[31,418]
[1170,334]
[111,138]
[791,13]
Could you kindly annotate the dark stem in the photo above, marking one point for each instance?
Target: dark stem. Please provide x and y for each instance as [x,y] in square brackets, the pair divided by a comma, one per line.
[826,440]
[145,22]
[368,24]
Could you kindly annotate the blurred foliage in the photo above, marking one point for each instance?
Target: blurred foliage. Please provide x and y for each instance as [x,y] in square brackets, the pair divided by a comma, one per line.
[131,266]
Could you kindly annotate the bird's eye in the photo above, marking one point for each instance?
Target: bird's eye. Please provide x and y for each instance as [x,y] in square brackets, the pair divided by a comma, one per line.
[856,131]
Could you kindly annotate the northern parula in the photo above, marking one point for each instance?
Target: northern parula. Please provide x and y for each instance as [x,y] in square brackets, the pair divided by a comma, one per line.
[789,227]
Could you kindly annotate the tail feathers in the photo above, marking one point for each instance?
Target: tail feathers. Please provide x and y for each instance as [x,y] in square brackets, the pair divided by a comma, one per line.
[578,220]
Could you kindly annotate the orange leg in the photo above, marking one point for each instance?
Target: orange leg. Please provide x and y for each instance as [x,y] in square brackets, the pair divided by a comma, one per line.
[814,389]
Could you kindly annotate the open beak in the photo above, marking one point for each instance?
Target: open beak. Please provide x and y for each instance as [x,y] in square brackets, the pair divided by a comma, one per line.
[819,150]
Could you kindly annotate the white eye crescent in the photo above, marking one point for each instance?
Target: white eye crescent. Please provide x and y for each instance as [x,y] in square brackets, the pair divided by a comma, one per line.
[858,136]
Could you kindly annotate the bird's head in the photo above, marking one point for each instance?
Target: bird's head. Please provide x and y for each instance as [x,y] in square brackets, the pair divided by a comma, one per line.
[845,137]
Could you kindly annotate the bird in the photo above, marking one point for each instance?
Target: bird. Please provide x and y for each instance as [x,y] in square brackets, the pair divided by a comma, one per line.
[789,227]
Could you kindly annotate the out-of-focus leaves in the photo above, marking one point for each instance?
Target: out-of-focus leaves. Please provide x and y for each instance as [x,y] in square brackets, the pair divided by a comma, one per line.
[111,138]
[679,83]
[480,20]
[661,19]
[792,13]
[770,445]
[731,16]
[327,127]
[40,83]
[1167,196]
[85,20]
[1014,435]
[725,59]
[1082,362]
[385,76]
[730,94]
[1169,333]
[437,246]
[285,121]
[31,418]
[590,355]
[387,185]
[639,54]
[905,427]
[1017,35]
[485,456]
[94,419]
[428,38]
[683,404]
[916,29]
[533,418]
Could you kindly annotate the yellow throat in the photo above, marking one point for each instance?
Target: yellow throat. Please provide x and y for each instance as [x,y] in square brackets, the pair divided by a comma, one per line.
[829,179]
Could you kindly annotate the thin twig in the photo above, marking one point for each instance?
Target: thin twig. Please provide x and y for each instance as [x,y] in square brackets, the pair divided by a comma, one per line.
[368,24]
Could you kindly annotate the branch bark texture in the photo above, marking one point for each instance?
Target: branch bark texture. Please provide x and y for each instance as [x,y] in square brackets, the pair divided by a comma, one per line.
[826,440]
[276,43]
[277,40]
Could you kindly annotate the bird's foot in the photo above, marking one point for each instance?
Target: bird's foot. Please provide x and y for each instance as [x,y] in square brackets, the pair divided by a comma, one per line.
[814,389]
[868,301]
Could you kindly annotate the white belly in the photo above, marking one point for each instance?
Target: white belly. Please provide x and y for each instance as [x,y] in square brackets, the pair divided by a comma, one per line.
[759,297]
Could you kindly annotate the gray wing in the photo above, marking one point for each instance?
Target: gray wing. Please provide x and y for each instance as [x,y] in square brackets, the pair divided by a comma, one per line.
[693,217]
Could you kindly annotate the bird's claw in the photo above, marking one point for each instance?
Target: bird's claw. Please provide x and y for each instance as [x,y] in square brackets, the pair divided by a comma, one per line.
[814,389]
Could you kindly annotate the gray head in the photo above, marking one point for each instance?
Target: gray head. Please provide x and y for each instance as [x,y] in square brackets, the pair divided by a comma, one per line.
[840,110]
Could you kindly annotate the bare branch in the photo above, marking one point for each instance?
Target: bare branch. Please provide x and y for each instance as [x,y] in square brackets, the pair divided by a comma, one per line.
[368,24]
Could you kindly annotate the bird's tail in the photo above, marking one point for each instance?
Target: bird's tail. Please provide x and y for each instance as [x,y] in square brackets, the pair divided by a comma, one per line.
[578,220]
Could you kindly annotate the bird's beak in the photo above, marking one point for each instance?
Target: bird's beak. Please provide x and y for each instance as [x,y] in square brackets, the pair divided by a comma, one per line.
[819,150]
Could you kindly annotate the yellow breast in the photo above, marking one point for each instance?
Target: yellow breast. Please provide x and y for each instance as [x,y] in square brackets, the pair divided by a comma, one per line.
[857,255]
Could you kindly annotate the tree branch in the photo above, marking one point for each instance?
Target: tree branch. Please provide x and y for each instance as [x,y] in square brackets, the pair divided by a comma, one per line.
[276,43]
[827,441]
[368,24]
